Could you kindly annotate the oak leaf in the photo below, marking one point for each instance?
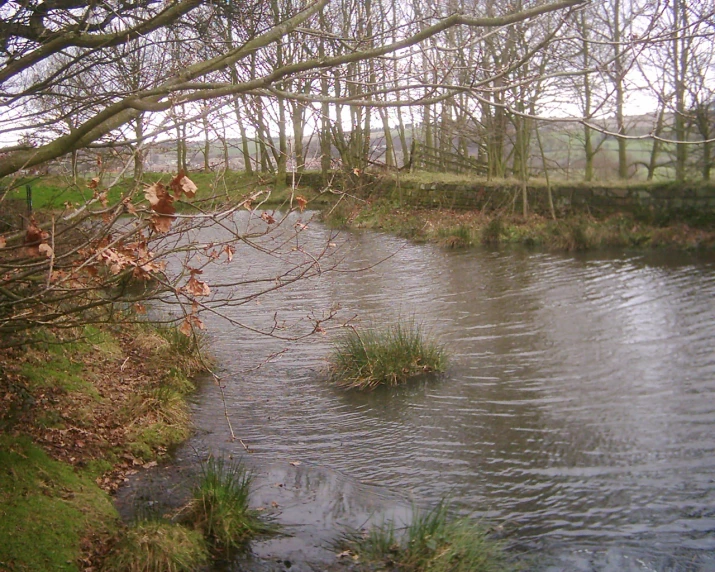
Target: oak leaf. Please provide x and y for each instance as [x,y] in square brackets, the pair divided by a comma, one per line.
[182,184]
[34,237]
[45,249]
[195,286]
[161,223]
[189,323]
[160,199]
[129,206]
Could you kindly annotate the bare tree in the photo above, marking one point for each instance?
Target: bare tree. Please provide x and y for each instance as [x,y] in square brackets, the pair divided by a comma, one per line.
[61,268]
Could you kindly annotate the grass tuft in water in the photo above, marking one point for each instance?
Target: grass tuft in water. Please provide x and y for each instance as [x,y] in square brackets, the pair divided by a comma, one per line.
[432,543]
[364,360]
[159,546]
[220,507]
[460,236]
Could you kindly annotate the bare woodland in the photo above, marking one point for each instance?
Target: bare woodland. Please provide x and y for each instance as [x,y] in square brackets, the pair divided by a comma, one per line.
[287,85]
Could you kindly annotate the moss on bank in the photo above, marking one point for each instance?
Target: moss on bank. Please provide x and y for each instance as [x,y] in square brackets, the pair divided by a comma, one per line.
[49,510]
[78,410]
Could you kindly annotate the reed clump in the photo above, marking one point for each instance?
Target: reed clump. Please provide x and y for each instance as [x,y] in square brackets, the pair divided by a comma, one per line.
[391,356]
[433,542]
[220,506]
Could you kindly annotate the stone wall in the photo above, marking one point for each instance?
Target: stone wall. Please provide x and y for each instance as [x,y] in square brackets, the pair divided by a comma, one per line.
[596,198]
[574,197]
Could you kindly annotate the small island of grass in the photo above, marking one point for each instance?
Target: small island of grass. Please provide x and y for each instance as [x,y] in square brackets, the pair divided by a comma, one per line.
[364,360]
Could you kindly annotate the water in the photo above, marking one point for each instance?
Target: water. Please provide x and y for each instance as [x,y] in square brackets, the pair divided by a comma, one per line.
[578,412]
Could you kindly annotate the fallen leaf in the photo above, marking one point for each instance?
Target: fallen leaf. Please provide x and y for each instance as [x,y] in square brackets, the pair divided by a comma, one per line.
[45,249]
[296,463]
[345,554]
[274,504]
[3,242]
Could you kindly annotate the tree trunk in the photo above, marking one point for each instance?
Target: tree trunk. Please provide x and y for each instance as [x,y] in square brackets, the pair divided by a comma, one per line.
[620,92]
[139,150]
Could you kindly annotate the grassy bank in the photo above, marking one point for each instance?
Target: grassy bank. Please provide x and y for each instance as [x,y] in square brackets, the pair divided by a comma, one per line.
[57,193]
[458,229]
[79,410]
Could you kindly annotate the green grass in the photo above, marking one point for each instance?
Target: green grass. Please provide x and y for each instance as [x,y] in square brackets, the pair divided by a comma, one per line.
[391,356]
[220,506]
[158,546]
[58,193]
[46,509]
[433,542]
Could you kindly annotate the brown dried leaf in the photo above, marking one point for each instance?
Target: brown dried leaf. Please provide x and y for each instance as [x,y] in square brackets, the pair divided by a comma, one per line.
[139,308]
[3,242]
[182,184]
[159,199]
[102,198]
[185,327]
[129,206]
[197,287]
[230,251]
[45,249]
[161,223]
[34,237]
[189,323]
[302,202]
[268,218]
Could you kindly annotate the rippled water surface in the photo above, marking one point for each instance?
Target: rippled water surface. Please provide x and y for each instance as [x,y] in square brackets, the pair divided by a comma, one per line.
[578,410]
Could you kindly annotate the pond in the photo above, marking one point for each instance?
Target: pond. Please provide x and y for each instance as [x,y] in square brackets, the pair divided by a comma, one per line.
[577,414]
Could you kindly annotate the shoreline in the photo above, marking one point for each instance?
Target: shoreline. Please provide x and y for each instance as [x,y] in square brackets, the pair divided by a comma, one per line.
[80,413]
[468,228]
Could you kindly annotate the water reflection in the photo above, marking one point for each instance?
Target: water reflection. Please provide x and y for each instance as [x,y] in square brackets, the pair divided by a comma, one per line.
[578,408]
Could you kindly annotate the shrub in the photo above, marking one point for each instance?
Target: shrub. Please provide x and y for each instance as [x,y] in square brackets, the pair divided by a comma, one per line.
[493,231]
[220,509]
[388,357]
